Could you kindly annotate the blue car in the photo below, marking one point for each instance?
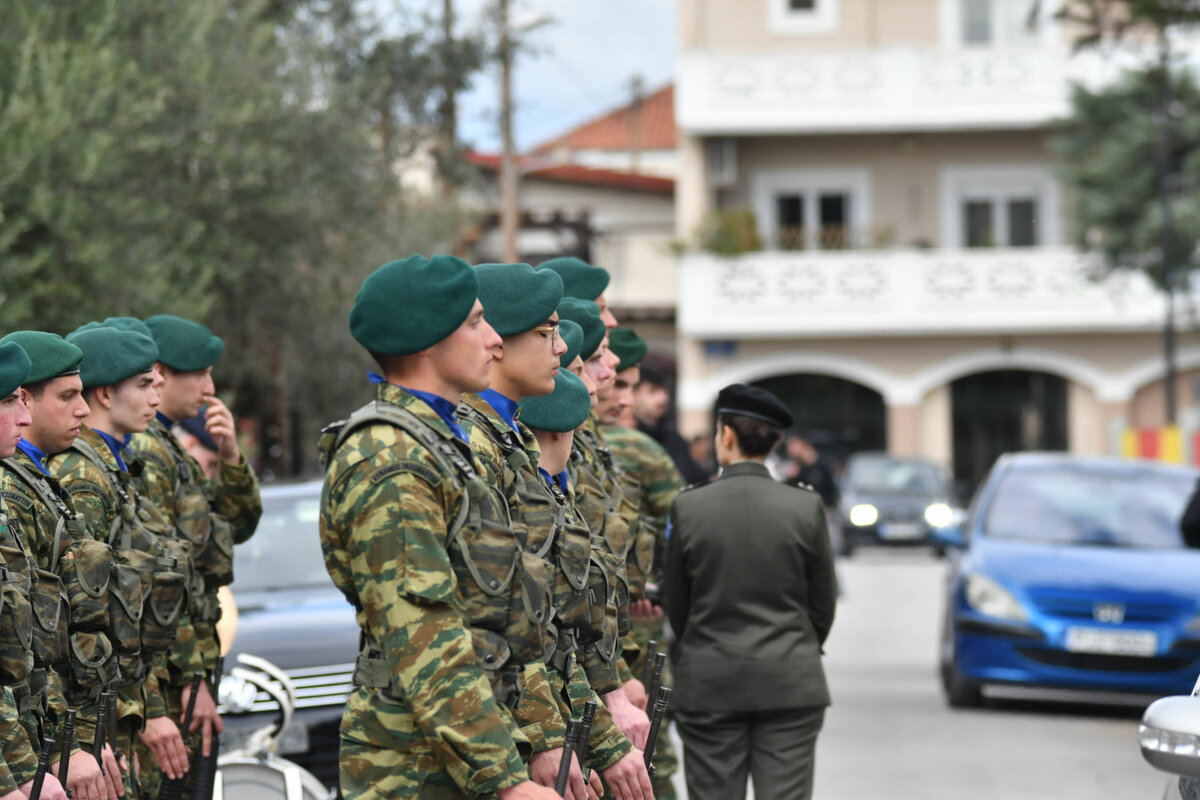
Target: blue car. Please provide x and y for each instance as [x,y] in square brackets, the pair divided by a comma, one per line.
[1070,572]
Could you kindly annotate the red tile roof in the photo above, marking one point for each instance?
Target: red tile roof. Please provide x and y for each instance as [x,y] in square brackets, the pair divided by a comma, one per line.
[615,130]
[573,173]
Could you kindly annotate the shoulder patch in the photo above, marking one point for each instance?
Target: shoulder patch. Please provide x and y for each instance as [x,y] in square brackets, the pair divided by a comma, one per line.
[427,474]
[79,487]
[17,498]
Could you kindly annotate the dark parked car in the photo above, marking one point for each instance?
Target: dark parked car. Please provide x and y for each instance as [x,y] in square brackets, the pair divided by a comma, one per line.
[890,500]
[1073,575]
[290,613]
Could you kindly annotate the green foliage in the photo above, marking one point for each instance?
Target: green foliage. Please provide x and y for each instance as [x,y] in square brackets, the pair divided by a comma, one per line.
[225,160]
[1116,20]
[730,232]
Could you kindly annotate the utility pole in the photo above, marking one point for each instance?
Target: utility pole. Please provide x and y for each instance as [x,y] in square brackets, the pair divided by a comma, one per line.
[450,98]
[510,216]
[1167,234]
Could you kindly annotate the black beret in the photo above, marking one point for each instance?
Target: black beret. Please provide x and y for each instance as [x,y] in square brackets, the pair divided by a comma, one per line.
[182,344]
[50,355]
[111,355]
[628,346]
[580,279]
[751,401]
[516,297]
[412,304]
[572,336]
[14,367]
[564,409]
[586,315]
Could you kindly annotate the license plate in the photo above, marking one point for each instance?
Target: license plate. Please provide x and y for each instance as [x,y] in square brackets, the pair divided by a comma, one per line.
[901,530]
[1113,643]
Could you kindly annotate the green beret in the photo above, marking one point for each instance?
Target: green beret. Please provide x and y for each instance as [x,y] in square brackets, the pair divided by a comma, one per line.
[586,315]
[111,355]
[14,367]
[628,346]
[516,297]
[50,355]
[564,409]
[129,324]
[412,304]
[183,345]
[572,336]
[580,279]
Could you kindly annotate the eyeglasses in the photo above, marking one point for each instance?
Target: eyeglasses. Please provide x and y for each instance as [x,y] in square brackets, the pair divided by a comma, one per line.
[550,329]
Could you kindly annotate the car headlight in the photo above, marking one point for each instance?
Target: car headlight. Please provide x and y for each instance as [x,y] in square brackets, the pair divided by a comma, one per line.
[864,514]
[1173,742]
[990,598]
[939,515]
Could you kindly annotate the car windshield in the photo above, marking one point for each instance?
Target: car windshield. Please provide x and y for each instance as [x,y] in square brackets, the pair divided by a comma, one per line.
[285,551]
[891,475]
[1131,507]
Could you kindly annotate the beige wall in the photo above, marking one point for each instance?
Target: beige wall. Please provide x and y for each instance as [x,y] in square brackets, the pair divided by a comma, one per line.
[742,25]
[905,170]
[1149,406]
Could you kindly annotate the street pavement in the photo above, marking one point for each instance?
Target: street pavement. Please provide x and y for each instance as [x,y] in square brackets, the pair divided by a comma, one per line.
[889,733]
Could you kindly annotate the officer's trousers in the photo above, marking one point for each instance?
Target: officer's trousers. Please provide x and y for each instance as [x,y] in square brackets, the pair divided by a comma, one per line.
[775,748]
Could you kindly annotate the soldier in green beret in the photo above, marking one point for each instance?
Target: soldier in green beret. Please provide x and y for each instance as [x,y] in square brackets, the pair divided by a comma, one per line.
[583,281]
[96,472]
[423,548]
[20,756]
[57,538]
[651,481]
[211,515]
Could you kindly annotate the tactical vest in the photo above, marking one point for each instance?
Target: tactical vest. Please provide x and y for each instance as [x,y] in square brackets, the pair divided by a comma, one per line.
[83,565]
[147,590]
[16,615]
[639,561]
[209,533]
[505,589]
[600,500]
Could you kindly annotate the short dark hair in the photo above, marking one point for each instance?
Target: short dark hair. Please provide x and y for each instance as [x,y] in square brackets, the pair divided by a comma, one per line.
[652,376]
[755,437]
[36,390]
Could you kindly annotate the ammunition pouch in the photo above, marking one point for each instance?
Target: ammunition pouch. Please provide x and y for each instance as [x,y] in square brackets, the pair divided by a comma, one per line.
[50,615]
[165,604]
[16,628]
[91,666]
[85,569]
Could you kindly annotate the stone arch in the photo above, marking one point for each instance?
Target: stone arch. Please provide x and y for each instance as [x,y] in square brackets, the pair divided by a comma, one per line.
[701,394]
[1106,387]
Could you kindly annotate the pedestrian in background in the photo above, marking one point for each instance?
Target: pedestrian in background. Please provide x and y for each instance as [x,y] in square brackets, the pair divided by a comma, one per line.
[750,592]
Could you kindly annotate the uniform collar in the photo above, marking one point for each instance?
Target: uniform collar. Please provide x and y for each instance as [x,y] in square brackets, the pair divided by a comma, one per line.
[560,480]
[35,455]
[115,445]
[746,467]
[442,407]
[504,406]
[164,419]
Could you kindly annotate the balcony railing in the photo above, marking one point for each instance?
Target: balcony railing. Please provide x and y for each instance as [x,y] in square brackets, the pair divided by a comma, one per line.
[871,293]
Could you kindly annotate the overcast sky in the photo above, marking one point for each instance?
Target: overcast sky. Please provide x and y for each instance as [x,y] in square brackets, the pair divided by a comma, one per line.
[577,65]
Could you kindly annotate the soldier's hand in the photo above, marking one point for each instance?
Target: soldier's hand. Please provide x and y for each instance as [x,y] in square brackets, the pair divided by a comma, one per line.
[628,778]
[15,794]
[632,721]
[85,781]
[644,609]
[595,788]
[636,692]
[527,790]
[51,789]
[204,717]
[218,421]
[112,773]
[165,741]
[543,769]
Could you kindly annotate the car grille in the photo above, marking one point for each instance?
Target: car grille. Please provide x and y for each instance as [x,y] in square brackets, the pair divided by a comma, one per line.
[315,687]
[1076,607]
[1104,663]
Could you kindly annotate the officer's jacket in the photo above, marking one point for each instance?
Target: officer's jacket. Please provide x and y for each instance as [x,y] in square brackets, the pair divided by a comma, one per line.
[387,506]
[750,593]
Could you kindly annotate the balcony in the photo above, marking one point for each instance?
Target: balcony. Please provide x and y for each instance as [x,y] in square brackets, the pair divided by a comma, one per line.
[905,88]
[908,293]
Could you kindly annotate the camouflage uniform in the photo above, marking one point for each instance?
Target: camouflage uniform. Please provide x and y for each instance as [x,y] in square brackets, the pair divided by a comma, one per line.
[20,759]
[212,516]
[448,603]
[148,575]
[652,480]
[510,457]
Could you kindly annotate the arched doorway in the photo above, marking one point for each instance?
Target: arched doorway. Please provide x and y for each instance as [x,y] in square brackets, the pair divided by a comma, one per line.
[1004,411]
[841,416]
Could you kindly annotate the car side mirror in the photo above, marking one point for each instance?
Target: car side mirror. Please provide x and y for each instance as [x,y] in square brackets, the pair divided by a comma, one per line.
[949,536]
[1170,735]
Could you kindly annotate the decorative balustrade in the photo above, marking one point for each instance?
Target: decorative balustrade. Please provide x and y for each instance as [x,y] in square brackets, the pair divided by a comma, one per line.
[868,293]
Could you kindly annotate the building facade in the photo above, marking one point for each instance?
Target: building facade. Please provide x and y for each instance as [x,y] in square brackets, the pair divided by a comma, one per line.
[915,289]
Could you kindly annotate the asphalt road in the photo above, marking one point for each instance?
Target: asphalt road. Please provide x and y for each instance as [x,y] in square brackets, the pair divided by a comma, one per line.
[889,734]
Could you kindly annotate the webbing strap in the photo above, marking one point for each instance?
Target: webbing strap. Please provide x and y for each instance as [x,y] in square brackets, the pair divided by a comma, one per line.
[50,498]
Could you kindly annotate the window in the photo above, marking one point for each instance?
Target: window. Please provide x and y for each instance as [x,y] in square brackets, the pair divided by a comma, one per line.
[994,22]
[812,209]
[802,17]
[998,207]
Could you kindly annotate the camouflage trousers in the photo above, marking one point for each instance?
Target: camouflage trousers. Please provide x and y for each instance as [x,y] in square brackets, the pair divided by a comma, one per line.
[367,772]
[666,762]
[150,775]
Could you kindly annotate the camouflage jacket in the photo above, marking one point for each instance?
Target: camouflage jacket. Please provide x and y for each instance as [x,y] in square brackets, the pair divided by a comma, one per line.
[20,759]
[388,505]
[212,516]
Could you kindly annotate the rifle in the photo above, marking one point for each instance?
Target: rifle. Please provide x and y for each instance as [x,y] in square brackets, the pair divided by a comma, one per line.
[39,777]
[101,727]
[206,766]
[64,757]
[112,727]
[660,663]
[564,766]
[648,668]
[585,730]
[660,708]
[172,788]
